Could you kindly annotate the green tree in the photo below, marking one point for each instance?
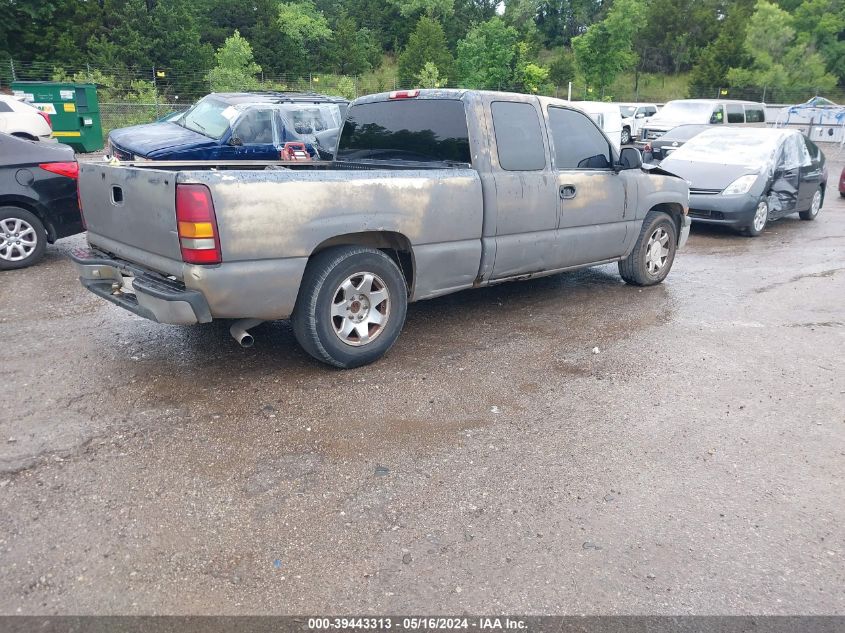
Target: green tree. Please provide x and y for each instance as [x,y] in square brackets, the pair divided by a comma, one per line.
[303,24]
[562,69]
[305,32]
[607,47]
[821,26]
[427,44]
[352,51]
[429,77]
[779,59]
[710,71]
[431,8]
[486,55]
[236,69]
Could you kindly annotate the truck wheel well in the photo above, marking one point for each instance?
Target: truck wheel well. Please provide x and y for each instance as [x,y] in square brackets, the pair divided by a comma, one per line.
[673,210]
[394,245]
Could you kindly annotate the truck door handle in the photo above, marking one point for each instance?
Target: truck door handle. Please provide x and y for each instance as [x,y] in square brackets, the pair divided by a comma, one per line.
[567,192]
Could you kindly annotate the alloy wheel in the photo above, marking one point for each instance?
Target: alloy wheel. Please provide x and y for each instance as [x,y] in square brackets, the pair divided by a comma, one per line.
[18,239]
[360,308]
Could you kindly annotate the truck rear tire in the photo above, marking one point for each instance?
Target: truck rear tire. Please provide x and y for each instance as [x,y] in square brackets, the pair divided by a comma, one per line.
[351,306]
[653,254]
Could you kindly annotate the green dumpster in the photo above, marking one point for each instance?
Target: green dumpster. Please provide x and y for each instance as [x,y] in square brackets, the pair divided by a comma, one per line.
[73,108]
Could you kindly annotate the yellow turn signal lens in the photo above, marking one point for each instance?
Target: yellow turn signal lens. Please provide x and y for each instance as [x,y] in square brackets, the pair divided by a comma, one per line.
[196,229]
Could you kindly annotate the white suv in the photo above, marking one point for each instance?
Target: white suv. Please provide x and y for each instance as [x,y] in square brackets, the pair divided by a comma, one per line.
[633,117]
[21,119]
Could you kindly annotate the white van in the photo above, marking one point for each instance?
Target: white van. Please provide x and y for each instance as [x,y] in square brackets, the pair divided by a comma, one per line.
[606,115]
[703,112]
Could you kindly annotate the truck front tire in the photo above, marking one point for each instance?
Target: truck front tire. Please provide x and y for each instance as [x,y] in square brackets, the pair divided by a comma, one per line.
[653,254]
[351,306]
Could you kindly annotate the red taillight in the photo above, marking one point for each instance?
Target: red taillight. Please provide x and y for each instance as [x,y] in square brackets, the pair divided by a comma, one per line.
[46,118]
[647,147]
[71,170]
[404,94]
[198,236]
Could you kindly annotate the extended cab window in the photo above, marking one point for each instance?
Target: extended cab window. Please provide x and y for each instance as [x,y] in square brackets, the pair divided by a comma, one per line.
[424,130]
[754,114]
[519,140]
[578,142]
[735,113]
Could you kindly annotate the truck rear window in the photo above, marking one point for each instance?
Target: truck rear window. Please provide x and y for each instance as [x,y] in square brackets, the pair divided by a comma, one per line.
[416,130]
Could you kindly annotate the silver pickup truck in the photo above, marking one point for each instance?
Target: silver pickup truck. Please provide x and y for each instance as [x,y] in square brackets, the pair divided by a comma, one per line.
[429,192]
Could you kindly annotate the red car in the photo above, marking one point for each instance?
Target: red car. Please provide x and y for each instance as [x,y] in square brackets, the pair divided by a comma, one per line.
[842,183]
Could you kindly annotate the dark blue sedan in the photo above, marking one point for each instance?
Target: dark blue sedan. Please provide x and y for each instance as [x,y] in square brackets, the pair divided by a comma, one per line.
[235,126]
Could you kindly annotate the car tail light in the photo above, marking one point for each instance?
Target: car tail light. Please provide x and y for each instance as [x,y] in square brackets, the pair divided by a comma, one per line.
[404,94]
[198,236]
[70,170]
[46,117]
[647,147]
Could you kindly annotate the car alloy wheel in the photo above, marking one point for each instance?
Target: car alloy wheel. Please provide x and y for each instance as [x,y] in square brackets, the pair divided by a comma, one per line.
[18,239]
[761,216]
[817,203]
[360,309]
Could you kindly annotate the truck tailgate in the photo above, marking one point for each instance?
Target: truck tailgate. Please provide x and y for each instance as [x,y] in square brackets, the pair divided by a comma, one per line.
[130,206]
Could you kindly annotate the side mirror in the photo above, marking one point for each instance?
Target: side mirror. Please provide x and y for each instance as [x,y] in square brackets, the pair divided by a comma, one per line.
[639,115]
[629,158]
[235,141]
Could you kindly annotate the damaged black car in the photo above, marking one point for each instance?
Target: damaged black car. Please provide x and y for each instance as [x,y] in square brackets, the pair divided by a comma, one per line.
[748,177]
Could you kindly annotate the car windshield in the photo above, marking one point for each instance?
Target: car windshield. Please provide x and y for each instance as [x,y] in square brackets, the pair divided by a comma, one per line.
[210,117]
[692,111]
[627,111]
[749,148]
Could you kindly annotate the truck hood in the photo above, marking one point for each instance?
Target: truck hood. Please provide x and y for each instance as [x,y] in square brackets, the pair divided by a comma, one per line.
[158,139]
[713,176]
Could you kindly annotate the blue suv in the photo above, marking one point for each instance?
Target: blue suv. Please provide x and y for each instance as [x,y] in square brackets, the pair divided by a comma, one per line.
[236,126]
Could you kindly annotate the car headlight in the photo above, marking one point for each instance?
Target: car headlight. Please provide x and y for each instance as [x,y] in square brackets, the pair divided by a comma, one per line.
[741,185]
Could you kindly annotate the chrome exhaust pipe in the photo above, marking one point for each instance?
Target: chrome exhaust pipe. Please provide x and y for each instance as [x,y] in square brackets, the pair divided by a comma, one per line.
[239,328]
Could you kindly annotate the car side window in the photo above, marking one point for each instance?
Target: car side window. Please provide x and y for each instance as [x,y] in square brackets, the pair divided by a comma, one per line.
[4,107]
[718,115]
[519,139]
[735,113]
[255,127]
[651,111]
[791,156]
[754,114]
[806,159]
[578,143]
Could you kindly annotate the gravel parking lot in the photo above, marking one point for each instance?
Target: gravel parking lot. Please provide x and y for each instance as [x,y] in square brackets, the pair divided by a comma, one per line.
[492,462]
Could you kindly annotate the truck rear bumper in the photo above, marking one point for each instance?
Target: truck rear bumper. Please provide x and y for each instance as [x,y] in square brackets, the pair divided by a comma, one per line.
[147,294]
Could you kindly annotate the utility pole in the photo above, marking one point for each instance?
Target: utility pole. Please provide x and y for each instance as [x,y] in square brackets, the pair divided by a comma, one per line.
[12,64]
